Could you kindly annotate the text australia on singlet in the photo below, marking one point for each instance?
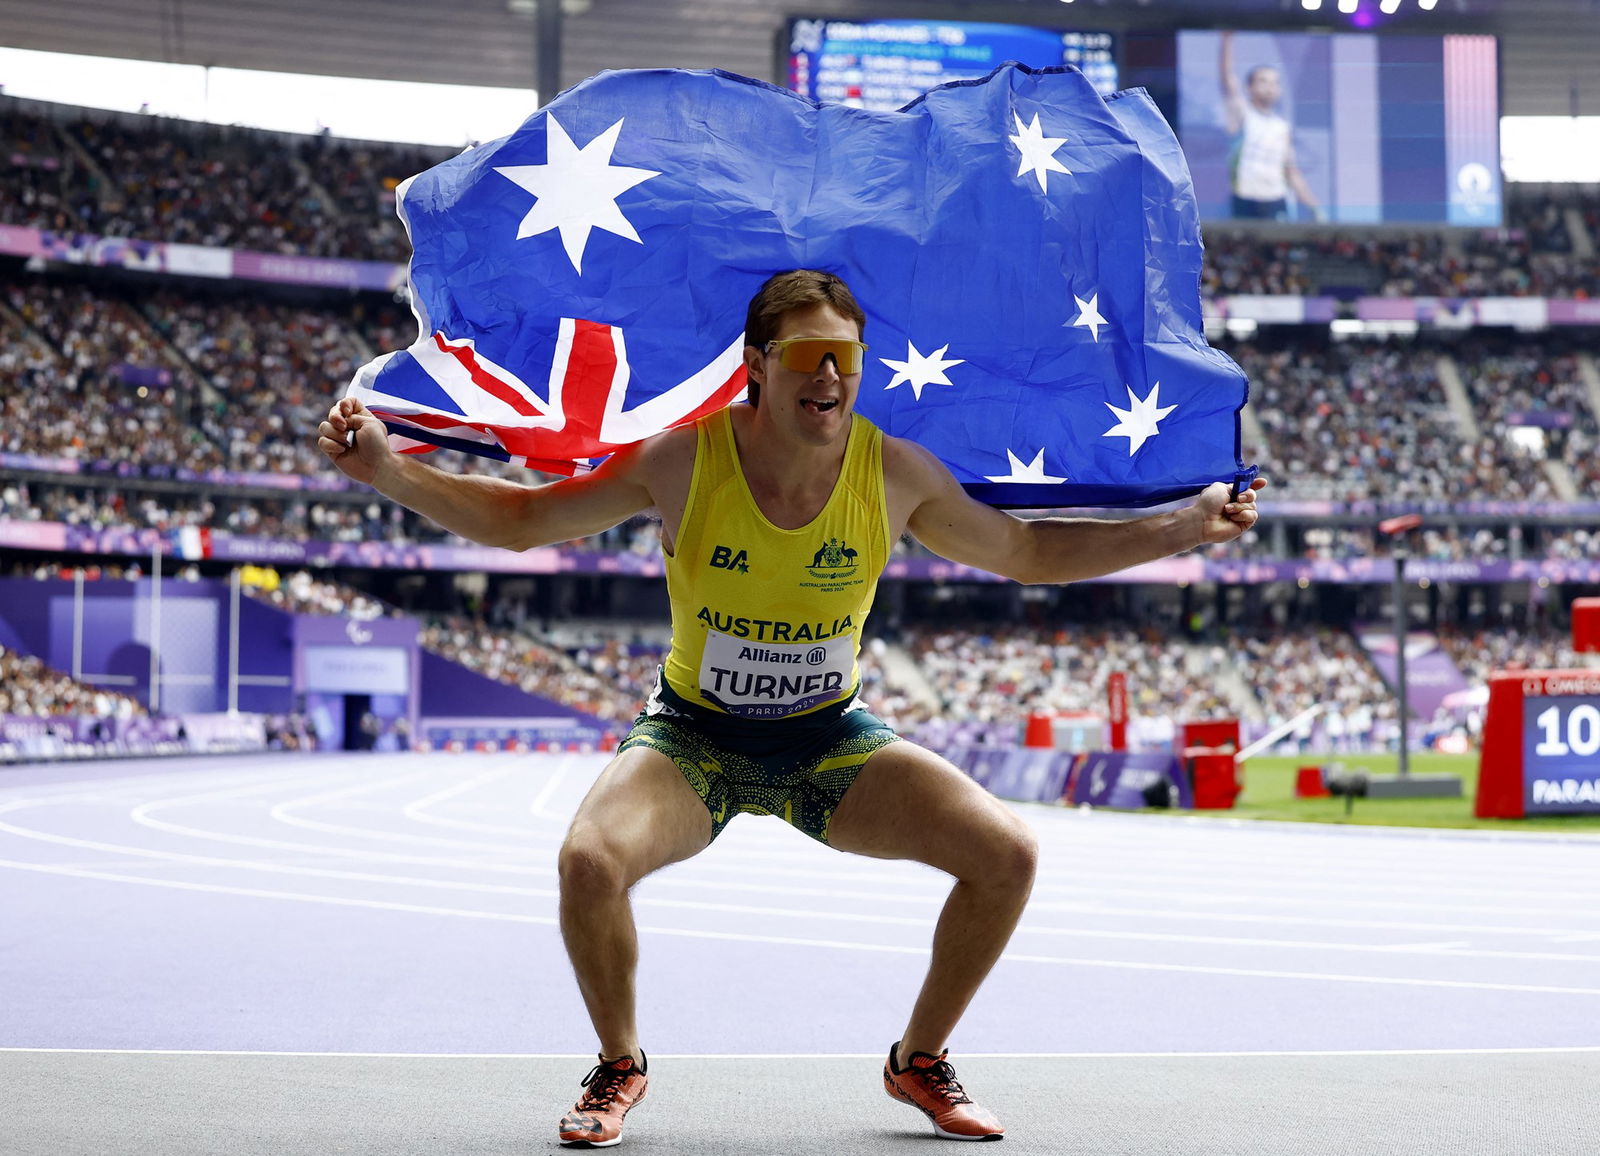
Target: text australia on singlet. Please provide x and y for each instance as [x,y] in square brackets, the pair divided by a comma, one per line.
[769,668]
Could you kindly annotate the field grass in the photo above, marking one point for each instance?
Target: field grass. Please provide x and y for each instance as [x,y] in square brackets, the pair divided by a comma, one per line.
[1269,794]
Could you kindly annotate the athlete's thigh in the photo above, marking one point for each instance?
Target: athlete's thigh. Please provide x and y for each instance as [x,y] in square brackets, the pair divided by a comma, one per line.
[908,803]
[642,811]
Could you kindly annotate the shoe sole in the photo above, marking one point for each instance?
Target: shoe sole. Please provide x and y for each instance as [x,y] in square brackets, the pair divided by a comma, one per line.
[938,1131]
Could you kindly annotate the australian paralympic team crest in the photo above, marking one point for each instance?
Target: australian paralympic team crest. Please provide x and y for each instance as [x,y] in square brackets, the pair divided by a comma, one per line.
[836,561]
[765,668]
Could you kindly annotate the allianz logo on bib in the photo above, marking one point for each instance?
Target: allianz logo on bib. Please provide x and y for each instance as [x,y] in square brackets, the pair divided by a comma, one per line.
[727,558]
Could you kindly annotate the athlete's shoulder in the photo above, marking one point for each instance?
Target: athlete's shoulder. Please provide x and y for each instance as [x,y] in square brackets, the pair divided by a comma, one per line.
[669,447]
[904,459]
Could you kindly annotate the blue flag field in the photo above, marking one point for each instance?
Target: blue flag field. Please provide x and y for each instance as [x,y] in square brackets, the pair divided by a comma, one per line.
[1027,253]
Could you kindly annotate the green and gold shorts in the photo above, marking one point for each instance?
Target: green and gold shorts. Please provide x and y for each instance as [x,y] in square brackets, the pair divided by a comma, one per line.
[797,769]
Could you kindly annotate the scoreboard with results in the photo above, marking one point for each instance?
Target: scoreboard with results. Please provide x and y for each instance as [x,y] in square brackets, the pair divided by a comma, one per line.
[1541,745]
[881,65]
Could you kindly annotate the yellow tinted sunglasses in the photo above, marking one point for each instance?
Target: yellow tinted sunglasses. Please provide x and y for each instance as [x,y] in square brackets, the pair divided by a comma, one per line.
[806,354]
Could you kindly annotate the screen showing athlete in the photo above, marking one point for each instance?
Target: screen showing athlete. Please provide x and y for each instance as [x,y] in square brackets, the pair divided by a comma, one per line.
[1261,164]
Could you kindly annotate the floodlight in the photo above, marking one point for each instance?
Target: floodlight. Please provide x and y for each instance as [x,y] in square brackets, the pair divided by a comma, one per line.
[1311,5]
[1348,6]
[1388,7]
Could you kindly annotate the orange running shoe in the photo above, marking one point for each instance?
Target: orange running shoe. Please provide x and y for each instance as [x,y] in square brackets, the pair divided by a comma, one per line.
[929,1084]
[609,1091]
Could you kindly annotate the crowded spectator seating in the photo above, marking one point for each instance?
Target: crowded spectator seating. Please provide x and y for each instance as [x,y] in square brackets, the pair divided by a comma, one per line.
[1534,255]
[938,683]
[158,179]
[31,689]
[1291,671]
[135,386]
[110,174]
[1478,653]
[1373,421]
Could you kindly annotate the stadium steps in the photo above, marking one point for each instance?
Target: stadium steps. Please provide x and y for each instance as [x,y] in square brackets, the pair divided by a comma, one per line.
[332,207]
[1578,233]
[104,188]
[12,320]
[1589,373]
[1250,428]
[1560,479]
[901,671]
[1222,676]
[1455,391]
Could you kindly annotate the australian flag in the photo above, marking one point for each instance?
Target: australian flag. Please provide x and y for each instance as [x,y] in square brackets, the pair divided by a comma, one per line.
[1026,250]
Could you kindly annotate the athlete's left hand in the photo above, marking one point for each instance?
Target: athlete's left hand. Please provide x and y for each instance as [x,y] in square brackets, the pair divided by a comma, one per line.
[1224,517]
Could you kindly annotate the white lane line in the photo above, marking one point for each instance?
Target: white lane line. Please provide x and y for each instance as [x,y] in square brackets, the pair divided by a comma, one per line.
[682,880]
[588,1057]
[1208,901]
[143,816]
[1461,950]
[283,813]
[537,807]
[416,810]
[567,761]
[834,944]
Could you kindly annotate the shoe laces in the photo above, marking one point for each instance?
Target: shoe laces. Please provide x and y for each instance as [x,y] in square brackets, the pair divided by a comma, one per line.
[602,1084]
[941,1077]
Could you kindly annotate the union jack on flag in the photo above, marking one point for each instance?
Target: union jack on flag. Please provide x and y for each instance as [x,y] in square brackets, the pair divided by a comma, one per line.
[1027,253]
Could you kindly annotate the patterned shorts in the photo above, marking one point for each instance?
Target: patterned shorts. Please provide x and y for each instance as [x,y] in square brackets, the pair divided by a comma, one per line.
[797,769]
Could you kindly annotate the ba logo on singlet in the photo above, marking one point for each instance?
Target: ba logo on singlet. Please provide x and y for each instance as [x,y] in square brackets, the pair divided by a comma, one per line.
[834,559]
[727,558]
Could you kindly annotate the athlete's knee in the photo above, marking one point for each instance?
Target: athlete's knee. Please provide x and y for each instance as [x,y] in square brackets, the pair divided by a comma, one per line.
[588,865]
[1012,854]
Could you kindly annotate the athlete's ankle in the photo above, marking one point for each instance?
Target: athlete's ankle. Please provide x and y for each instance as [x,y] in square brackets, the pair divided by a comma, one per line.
[634,1053]
[906,1048]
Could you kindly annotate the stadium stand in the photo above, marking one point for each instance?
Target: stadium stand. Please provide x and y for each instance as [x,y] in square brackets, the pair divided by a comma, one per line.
[144,406]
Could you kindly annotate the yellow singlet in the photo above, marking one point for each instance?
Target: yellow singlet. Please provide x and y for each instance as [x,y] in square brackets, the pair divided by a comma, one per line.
[766,622]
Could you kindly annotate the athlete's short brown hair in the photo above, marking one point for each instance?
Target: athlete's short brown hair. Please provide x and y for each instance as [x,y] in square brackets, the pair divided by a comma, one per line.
[784,293]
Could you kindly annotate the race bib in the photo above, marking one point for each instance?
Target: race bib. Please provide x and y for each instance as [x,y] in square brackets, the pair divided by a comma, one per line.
[774,679]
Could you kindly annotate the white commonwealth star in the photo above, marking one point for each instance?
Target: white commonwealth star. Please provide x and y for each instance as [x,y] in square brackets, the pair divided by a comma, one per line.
[1032,473]
[1038,151]
[1141,420]
[577,190]
[918,370]
[1089,315]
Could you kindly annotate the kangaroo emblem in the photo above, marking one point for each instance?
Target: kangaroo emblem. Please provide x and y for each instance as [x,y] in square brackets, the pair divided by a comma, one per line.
[833,555]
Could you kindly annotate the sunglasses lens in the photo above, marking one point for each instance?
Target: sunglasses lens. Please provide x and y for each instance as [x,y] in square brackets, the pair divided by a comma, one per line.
[806,355]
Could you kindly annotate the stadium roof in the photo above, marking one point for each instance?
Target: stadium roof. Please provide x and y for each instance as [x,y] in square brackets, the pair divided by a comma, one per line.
[1549,45]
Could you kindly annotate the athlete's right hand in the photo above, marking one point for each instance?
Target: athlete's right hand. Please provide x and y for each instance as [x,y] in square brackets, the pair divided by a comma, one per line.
[370,450]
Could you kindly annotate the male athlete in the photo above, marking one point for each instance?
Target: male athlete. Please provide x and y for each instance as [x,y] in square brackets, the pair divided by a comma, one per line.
[1261,166]
[777,518]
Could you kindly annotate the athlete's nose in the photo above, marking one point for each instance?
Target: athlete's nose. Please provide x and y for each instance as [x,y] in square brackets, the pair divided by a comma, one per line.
[828,368]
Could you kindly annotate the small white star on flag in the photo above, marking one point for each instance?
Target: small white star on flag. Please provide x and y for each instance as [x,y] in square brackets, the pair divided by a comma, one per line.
[1032,472]
[918,370]
[1038,151]
[1141,420]
[1089,315]
[577,189]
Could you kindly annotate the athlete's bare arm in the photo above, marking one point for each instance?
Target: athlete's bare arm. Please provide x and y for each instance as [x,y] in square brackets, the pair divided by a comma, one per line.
[926,500]
[1232,94]
[1297,182]
[496,512]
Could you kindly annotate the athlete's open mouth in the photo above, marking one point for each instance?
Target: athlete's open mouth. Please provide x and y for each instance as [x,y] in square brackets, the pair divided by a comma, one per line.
[817,405]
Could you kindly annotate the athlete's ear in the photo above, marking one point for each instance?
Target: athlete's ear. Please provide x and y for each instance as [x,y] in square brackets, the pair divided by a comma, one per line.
[755,364]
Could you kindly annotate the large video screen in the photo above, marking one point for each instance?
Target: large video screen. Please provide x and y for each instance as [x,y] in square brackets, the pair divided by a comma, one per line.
[1349,128]
[883,64]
